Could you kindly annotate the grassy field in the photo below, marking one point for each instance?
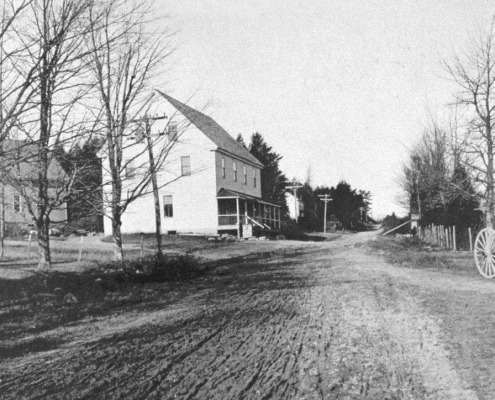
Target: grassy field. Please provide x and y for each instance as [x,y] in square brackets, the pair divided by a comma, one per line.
[413,253]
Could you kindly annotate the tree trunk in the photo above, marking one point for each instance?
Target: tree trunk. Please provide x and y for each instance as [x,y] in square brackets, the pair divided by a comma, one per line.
[42,224]
[118,251]
[2,220]
[489,173]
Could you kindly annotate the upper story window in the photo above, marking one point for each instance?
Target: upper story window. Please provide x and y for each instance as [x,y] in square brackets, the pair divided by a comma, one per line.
[185,165]
[234,167]
[17,203]
[172,130]
[168,206]
[254,178]
[223,167]
[130,169]
[245,175]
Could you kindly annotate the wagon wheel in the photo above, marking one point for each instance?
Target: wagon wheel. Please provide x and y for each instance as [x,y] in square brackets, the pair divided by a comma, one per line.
[484,253]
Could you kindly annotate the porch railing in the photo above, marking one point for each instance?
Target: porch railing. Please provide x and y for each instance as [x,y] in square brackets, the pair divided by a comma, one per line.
[230,219]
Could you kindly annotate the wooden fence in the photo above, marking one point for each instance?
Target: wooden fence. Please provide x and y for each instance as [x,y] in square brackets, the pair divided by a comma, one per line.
[447,237]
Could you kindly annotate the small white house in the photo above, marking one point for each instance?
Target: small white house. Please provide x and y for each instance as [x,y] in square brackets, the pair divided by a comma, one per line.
[294,205]
[209,184]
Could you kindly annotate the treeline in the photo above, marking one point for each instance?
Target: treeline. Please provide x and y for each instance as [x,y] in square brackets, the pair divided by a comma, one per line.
[349,207]
[437,183]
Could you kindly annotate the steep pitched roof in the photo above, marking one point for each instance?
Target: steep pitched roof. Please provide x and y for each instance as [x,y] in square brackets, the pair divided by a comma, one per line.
[213,131]
[21,159]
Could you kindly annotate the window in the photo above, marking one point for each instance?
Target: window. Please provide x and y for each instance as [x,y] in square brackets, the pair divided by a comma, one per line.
[168,206]
[254,178]
[245,175]
[130,170]
[17,204]
[223,167]
[172,130]
[234,167]
[185,165]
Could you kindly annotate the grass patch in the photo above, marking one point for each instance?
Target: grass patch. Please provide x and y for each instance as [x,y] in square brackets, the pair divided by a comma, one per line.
[411,252]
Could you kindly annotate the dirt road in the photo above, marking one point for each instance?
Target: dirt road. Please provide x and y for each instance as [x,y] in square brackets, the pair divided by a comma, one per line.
[327,320]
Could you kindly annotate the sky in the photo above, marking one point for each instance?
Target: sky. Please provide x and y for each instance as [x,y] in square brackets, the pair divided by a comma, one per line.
[341,89]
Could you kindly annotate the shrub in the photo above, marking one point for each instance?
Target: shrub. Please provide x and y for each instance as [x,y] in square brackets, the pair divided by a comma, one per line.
[16,230]
[155,269]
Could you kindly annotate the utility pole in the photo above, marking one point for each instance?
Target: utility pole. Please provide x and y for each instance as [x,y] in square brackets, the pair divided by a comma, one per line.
[294,189]
[149,144]
[2,183]
[326,198]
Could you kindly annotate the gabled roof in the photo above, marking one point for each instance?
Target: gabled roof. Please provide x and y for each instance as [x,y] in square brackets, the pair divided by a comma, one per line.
[213,131]
[21,159]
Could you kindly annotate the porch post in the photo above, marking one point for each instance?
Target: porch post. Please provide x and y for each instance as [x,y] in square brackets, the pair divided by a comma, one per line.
[238,219]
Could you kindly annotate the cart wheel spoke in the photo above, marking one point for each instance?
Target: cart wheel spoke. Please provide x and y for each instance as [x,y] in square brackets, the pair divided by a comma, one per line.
[492,267]
[484,253]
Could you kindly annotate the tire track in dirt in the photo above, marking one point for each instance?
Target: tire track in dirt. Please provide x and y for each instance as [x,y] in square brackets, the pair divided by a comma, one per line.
[322,321]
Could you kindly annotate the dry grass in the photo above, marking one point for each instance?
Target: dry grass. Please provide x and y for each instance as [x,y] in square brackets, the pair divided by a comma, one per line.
[413,253]
[464,312]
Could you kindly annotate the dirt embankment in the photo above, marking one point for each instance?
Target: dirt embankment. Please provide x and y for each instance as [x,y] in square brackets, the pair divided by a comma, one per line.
[321,320]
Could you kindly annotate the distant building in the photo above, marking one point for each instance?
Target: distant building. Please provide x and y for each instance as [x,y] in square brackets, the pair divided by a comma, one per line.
[295,207]
[210,183]
[22,176]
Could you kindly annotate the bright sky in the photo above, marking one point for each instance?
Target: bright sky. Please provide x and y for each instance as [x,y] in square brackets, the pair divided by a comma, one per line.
[339,86]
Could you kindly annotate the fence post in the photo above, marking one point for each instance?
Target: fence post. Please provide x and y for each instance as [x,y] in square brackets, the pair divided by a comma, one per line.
[455,239]
[142,246]
[80,249]
[470,239]
[29,247]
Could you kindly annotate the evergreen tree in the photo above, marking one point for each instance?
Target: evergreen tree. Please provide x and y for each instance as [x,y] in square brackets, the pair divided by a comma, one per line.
[86,193]
[309,219]
[346,204]
[273,181]
[462,210]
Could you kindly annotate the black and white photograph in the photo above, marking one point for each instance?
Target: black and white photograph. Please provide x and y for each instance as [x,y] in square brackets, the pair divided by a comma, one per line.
[247,199]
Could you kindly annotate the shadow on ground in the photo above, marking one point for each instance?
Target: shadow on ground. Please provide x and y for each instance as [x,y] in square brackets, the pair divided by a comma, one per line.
[48,301]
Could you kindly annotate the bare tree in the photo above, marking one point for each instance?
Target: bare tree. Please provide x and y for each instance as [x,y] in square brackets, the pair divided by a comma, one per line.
[474,74]
[125,59]
[425,177]
[48,86]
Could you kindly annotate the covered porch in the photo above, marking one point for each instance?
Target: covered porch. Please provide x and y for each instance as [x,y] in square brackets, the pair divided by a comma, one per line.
[237,211]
